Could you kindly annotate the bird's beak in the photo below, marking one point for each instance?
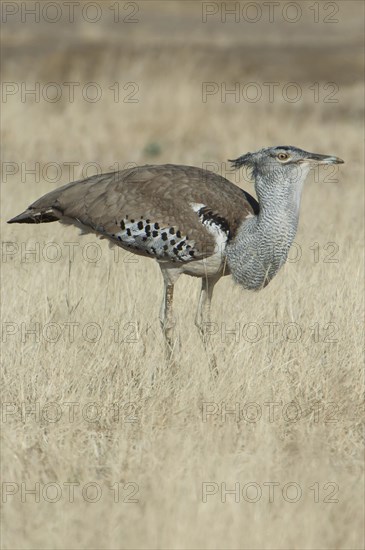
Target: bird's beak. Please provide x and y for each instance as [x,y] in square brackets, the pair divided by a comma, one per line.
[322,159]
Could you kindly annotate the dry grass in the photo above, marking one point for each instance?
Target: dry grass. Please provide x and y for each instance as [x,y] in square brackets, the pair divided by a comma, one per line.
[171,448]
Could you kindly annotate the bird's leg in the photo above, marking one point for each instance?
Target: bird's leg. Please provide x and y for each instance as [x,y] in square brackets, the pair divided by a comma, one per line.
[166,316]
[202,319]
[167,319]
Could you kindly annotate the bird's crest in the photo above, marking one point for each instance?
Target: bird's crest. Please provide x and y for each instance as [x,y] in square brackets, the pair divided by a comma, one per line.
[247,161]
[244,160]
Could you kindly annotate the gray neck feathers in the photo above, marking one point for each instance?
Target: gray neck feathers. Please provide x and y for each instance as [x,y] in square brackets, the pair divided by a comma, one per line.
[262,242]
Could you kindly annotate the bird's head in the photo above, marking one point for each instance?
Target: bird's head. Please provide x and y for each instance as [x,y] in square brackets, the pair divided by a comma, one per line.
[282,163]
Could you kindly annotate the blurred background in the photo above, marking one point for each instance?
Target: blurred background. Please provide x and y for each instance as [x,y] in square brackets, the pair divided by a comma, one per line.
[178,81]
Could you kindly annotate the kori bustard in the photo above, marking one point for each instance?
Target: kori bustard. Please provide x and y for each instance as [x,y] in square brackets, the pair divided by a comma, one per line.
[191,220]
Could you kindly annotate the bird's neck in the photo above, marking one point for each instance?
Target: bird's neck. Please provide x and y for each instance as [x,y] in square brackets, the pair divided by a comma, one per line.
[279,206]
[262,242]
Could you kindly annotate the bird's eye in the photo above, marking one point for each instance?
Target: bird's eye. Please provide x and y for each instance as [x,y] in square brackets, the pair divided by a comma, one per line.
[283,156]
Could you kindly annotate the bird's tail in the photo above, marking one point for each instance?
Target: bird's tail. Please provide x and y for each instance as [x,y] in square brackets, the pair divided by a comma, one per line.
[33,215]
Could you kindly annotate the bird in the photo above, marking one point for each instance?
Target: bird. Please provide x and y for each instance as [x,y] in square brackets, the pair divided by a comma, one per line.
[192,221]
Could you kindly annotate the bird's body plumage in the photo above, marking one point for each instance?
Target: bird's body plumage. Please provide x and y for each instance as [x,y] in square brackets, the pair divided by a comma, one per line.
[176,214]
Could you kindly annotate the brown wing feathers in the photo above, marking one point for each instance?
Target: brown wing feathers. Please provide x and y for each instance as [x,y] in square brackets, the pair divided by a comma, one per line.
[159,194]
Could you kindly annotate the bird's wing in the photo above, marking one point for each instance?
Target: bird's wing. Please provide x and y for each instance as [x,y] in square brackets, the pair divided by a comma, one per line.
[168,203]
